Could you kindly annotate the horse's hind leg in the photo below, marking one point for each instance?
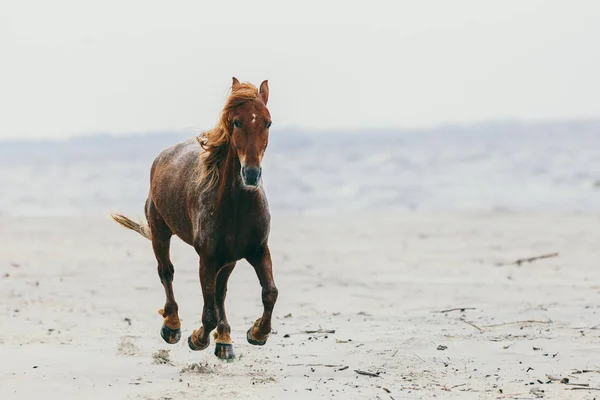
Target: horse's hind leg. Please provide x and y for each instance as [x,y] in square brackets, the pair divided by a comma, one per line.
[161,240]
[223,346]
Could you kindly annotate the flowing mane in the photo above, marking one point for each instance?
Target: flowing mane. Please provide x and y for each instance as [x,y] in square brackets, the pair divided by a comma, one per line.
[215,141]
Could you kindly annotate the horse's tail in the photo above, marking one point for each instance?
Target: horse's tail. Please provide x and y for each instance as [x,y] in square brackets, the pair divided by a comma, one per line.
[140,227]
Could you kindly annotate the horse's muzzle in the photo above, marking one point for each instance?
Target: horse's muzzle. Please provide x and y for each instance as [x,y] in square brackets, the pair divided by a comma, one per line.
[251,175]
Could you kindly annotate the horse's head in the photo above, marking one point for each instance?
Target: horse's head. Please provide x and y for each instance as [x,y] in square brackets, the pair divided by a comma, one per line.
[250,133]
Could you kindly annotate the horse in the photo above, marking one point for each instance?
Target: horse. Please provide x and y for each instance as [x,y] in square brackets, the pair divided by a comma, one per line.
[208,191]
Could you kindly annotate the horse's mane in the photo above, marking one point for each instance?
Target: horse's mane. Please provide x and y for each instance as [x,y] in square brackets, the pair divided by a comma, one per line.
[216,141]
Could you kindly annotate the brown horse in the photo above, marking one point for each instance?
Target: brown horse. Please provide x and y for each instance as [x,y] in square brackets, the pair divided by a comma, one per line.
[208,191]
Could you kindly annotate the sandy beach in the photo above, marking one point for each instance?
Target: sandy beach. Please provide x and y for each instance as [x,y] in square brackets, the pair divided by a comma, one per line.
[432,172]
[80,298]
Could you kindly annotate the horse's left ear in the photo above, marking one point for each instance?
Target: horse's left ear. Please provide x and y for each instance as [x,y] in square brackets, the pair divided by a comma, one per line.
[264,91]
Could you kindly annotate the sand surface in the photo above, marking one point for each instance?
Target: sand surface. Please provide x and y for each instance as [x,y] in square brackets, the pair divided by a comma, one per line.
[79,300]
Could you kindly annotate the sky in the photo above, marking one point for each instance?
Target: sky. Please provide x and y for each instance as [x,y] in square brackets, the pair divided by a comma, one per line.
[72,68]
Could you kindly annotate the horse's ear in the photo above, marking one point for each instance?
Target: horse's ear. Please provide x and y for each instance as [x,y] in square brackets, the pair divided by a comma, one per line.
[264,91]
[235,83]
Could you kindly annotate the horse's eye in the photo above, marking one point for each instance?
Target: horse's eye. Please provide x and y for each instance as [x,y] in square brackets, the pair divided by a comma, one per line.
[237,123]
[269,124]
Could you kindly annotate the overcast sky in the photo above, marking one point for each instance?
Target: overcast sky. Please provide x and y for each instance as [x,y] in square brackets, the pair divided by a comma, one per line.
[71,68]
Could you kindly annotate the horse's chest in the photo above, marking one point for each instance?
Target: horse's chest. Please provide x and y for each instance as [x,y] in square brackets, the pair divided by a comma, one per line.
[230,240]
[237,229]
[232,244]
[238,240]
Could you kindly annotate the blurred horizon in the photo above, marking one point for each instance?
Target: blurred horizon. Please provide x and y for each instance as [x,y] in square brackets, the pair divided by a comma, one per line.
[501,166]
[478,126]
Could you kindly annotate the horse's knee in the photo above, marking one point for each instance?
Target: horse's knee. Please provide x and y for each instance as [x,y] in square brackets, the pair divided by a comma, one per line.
[166,273]
[269,295]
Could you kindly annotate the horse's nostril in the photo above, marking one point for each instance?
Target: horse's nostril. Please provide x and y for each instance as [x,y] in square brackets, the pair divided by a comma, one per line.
[251,175]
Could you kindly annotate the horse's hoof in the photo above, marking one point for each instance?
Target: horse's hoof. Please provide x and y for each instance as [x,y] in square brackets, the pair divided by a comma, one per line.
[253,341]
[169,335]
[194,347]
[224,351]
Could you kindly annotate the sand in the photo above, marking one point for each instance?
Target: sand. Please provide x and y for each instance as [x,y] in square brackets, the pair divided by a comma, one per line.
[79,300]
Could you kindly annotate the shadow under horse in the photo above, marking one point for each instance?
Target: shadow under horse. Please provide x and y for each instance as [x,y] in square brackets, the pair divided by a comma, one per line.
[208,191]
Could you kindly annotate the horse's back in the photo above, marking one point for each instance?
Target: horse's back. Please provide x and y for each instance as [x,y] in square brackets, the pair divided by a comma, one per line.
[173,179]
[181,155]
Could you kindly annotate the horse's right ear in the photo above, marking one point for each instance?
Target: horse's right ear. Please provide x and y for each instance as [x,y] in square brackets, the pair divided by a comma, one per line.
[264,91]
[235,83]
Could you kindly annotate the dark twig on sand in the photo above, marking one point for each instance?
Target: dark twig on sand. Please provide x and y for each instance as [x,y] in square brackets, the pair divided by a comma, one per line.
[582,388]
[461,309]
[529,321]
[473,325]
[358,371]
[310,332]
[319,331]
[316,365]
[532,259]
[595,327]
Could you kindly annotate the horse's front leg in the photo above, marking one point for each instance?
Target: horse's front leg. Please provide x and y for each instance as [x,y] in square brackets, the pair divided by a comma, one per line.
[200,339]
[223,346]
[261,261]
